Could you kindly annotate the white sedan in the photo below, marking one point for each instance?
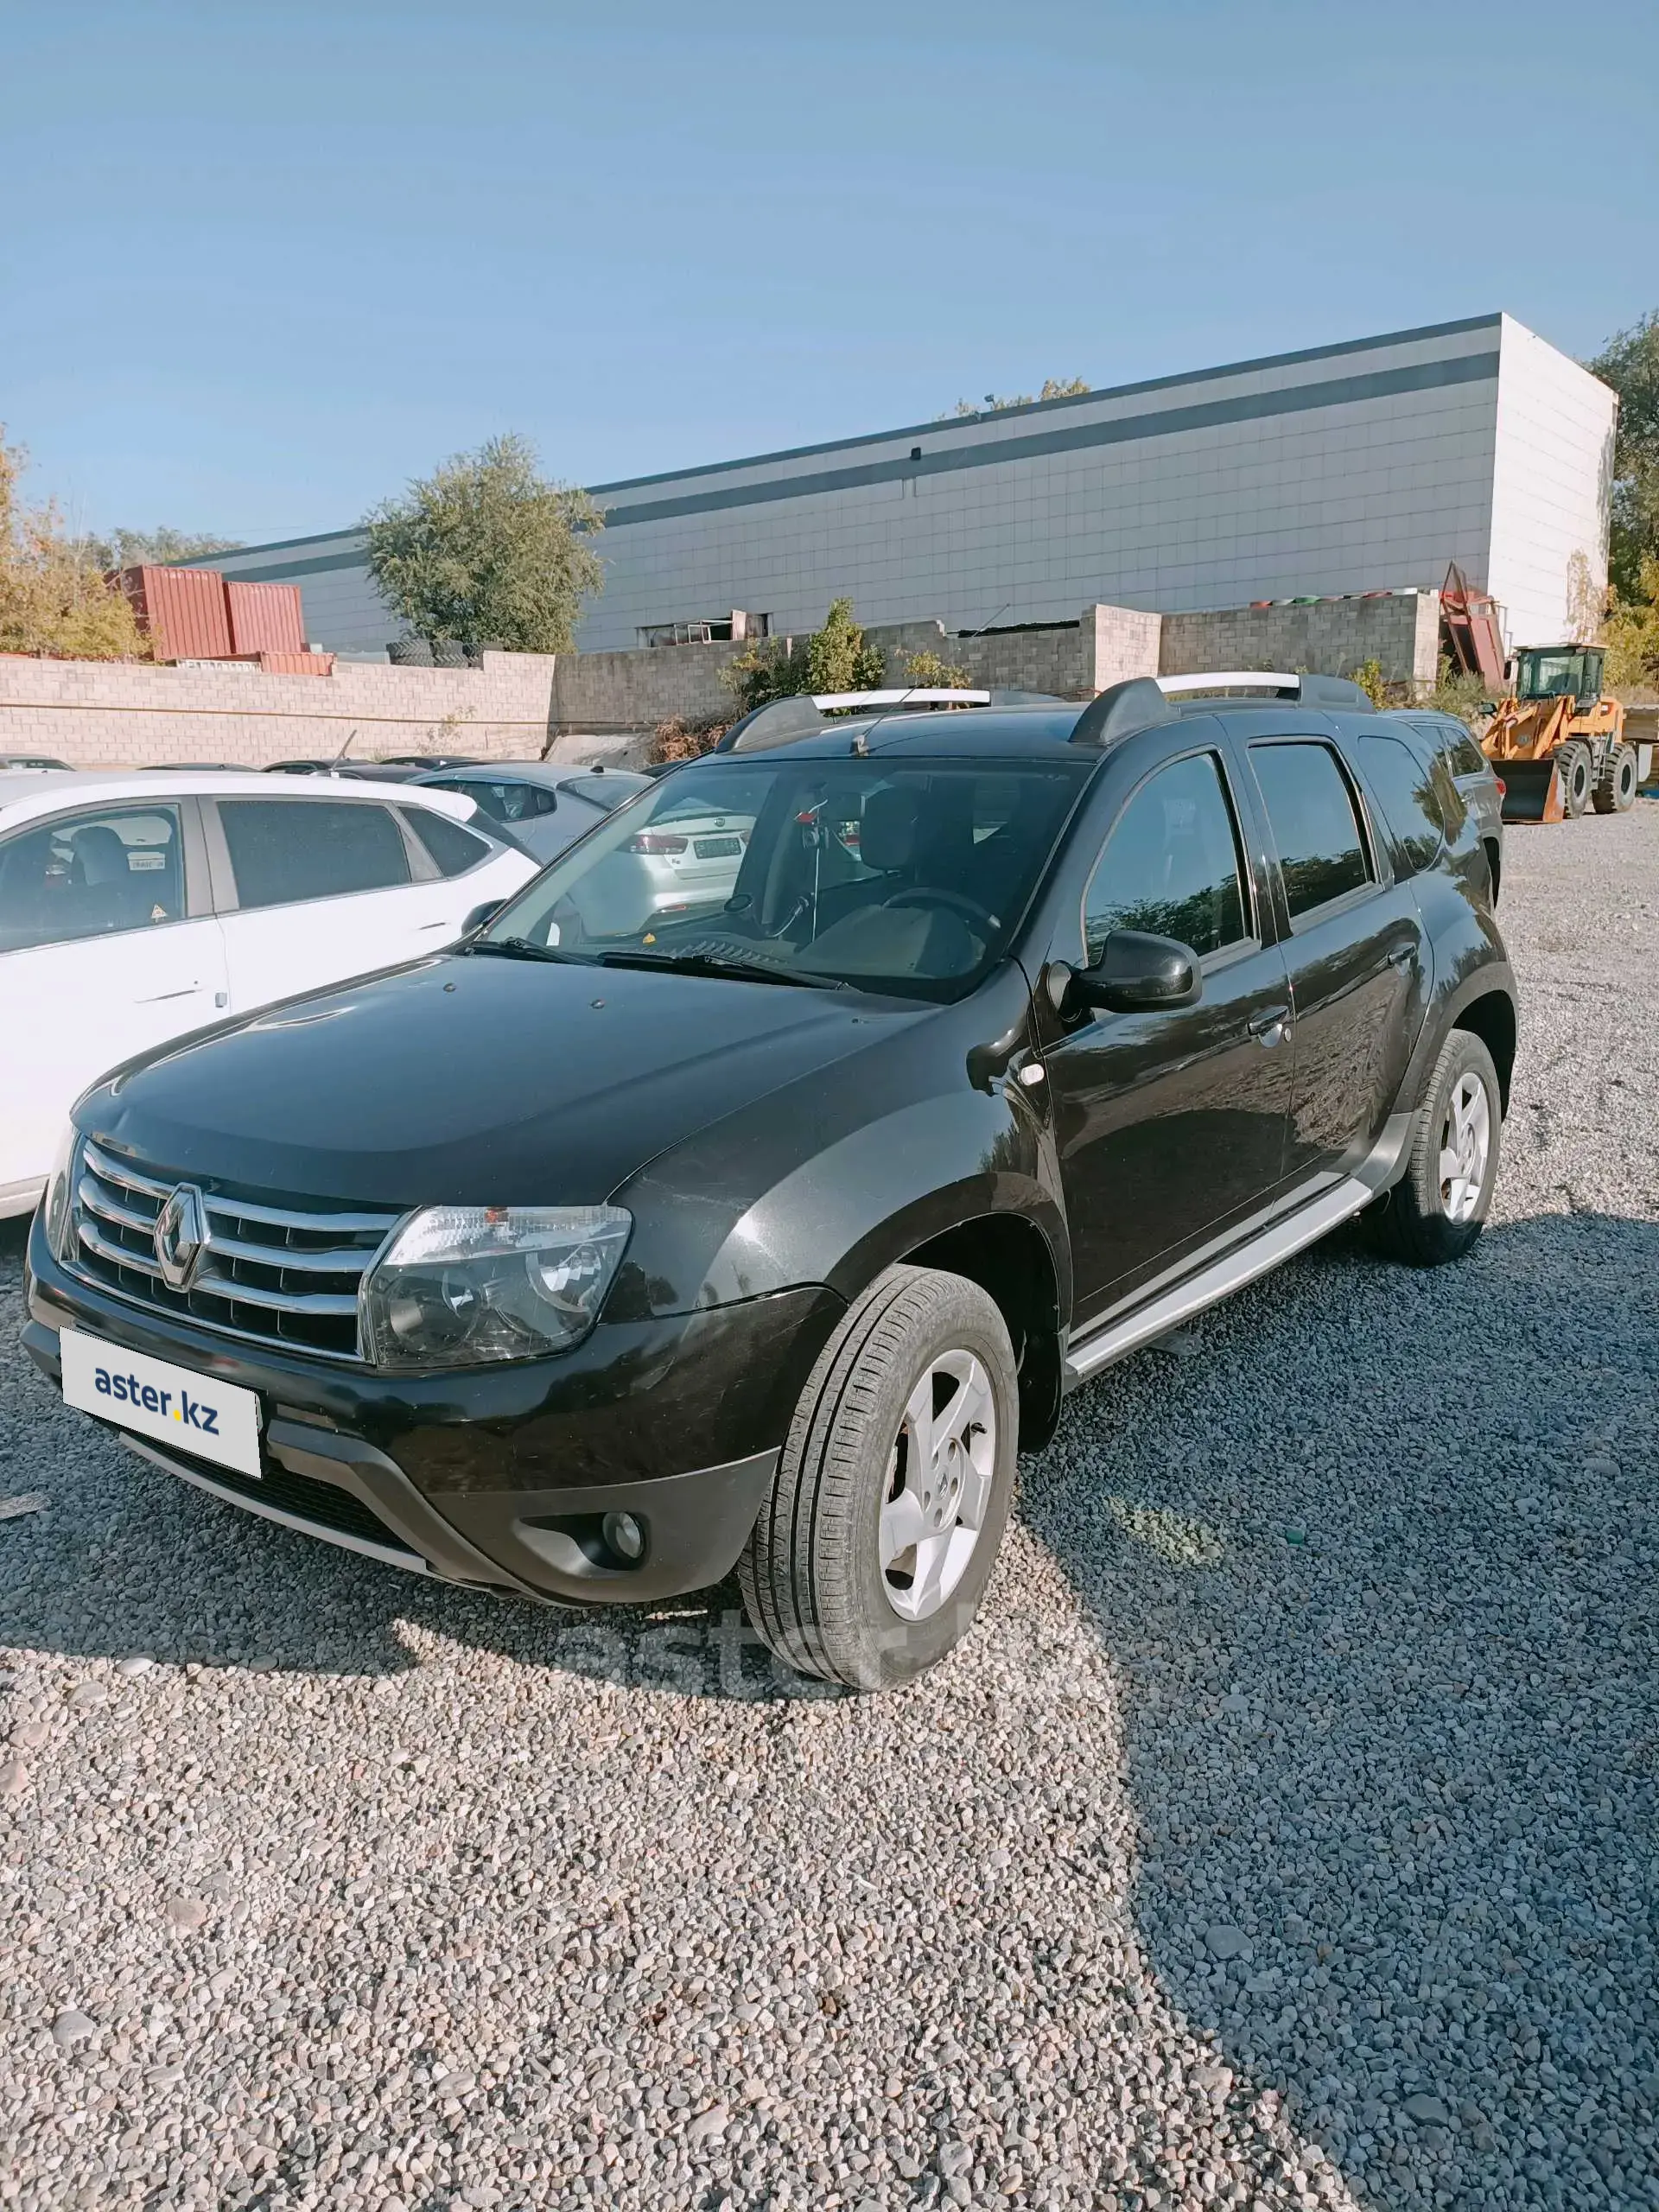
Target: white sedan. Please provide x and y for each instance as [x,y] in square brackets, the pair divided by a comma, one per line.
[136,907]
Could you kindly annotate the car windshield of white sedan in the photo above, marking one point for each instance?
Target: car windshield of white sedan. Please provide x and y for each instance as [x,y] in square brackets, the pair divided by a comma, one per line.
[903,876]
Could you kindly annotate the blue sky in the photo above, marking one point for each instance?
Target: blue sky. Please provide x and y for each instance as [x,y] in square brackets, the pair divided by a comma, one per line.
[260,266]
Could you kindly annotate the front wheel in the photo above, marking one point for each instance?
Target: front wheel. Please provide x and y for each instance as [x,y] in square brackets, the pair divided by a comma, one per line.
[1437,1209]
[871,1555]
[1572,766]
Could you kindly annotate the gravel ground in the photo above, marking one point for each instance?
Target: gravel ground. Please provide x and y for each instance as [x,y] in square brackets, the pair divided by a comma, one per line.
[1285,1832]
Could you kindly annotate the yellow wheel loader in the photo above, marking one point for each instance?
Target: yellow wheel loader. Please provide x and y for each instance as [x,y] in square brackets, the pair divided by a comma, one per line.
[1557,744]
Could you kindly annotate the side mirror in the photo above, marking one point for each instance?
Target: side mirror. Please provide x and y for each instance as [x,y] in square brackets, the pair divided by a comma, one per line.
[480,916]
[1137,973]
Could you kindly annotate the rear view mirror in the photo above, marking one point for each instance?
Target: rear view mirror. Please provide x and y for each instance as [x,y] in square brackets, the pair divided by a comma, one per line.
[1137,973]
[481,915]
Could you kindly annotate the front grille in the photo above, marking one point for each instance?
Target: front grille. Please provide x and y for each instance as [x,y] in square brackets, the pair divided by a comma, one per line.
[283,1275]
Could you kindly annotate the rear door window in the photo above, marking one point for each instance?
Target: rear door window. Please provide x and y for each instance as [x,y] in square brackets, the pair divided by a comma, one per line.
[287,850]
[1315,822]
[91,874]
[1169,864]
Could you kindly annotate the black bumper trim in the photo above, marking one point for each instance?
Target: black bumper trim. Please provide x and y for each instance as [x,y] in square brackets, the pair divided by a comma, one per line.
[389,1554]
[696,1525]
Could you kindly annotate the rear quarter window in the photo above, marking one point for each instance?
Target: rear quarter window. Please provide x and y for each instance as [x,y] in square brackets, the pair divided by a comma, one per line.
[451,848]
[1409,796]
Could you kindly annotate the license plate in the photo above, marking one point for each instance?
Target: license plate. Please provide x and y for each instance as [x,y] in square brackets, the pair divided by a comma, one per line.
[151,1398]
[716,849]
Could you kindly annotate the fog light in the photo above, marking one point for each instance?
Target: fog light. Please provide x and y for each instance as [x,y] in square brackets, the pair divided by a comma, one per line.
[623,1535]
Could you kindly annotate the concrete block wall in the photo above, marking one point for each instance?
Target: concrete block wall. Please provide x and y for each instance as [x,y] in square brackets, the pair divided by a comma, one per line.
[112,713]
[583,706]
[1330,637]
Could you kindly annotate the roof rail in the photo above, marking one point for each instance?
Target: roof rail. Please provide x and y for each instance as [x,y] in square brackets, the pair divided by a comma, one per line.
[1143,701]
[1307,690]
[1121,709]
[784,721]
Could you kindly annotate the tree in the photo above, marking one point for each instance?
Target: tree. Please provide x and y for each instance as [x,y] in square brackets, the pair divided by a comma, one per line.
[161,548]
[836,658]
[485,551]
[1629,362]
[53,598]
[927,672]
[1631,634]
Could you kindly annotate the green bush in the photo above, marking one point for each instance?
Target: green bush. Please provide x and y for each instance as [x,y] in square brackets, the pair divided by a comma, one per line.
[836,658]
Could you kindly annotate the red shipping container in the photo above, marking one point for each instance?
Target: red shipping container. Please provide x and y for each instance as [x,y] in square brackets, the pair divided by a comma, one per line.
[264,618]
[297,663]
[183,610]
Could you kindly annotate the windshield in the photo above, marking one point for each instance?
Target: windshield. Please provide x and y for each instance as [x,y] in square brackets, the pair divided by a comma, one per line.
[904,876]
[1565,674]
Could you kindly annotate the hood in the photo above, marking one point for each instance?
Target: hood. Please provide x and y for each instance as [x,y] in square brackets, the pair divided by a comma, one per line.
[475,1080]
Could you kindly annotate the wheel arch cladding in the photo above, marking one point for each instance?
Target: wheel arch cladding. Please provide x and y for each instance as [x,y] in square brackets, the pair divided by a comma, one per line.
[1491,1018]
[1009,1257]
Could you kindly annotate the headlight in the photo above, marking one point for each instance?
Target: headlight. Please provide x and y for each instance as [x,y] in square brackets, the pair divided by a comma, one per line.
[59,1213]
[465,1285]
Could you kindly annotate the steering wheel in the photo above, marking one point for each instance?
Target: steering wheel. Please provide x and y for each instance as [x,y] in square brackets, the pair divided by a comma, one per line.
[927,895]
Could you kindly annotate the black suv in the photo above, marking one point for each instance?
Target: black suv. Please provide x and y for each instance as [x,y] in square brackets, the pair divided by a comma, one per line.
[758,1222]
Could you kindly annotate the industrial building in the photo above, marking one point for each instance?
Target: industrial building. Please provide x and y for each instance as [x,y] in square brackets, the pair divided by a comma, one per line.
[1349,468]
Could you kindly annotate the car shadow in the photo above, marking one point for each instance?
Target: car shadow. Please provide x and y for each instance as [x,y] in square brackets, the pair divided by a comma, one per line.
[1369,1554]
[1372,1551]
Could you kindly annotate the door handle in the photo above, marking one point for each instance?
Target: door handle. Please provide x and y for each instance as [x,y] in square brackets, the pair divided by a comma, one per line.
[161,998]
[1403,955]
[1271,1027]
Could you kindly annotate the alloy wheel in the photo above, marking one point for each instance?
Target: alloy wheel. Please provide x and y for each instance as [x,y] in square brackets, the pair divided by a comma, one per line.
[938,1487]
[1465,1145]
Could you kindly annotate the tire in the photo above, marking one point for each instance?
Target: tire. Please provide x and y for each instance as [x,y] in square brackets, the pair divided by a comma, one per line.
[1572,765]
[812,1576]
[1430,1218]
[1616,783]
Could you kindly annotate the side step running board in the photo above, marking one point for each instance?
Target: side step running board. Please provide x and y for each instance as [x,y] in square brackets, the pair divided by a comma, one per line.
[1223,1276]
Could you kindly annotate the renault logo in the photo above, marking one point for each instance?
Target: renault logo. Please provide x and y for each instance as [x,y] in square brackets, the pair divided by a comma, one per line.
[180,1236]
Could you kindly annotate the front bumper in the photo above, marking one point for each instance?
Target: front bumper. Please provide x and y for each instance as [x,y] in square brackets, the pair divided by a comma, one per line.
[501,1476]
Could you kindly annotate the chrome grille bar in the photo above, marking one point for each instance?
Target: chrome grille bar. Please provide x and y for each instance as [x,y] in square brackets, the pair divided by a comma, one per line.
[258,1262]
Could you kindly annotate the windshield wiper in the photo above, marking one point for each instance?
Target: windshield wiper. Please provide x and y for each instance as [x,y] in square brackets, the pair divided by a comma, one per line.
[520,948]
[719,964]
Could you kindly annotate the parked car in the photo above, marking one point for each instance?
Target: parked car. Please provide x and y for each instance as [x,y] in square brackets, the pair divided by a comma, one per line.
[1434,736]
[590,1261]
[136,905]
[681,861]
[32,762]
[374,771]
[544,807]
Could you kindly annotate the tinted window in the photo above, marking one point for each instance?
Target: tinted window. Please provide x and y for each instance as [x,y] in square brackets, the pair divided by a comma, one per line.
[90,875]
[289,850]
[1171,863]
[452,848]
[503,798]
[1406,790]
[1321,846]
[1465,757]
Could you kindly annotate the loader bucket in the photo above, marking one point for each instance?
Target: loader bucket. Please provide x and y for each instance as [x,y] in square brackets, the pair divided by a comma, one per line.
[1532,791]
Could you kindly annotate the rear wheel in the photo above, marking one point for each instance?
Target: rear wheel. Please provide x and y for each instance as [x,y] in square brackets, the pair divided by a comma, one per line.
[870,1557]
[1572,765]
[1615,791]
[1437,1209]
